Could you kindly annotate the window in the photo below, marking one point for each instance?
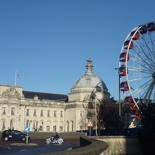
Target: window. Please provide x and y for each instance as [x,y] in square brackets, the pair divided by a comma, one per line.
[34,113]
[55,113]
[67,125]
[12,111]
[61,113]
[48,113]
[3,127]
[3,110]
[11,124]
[54,128]
[42,112]
[27,112]
[41,128]
[17,132]
[61,128]
[47,128]
[27,122]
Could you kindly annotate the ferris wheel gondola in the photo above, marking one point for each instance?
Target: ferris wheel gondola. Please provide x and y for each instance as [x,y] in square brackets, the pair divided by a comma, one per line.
[137,67]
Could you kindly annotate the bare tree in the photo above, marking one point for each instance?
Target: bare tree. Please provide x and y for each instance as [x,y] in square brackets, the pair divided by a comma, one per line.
[109,116]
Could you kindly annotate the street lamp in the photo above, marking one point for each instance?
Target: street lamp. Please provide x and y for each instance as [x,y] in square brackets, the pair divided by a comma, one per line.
[119,101]
[89,117]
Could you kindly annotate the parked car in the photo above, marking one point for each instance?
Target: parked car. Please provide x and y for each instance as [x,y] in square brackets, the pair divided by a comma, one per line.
[14,135]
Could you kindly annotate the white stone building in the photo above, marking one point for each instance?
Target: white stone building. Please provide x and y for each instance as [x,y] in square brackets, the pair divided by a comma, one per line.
[50,112]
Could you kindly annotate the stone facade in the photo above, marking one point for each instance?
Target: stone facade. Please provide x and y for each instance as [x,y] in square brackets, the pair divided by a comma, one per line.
[50,112]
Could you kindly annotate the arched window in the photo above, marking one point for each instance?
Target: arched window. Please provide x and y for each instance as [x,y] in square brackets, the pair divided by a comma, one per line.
[71,126]
[11,124]
[81,125]
[41,125]
[48,125]
[3,124]
[67,125]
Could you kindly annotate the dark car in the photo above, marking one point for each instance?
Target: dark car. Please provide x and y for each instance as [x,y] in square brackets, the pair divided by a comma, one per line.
[14,135]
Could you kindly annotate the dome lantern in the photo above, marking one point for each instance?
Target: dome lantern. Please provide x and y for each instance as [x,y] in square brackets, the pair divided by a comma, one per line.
[89,67]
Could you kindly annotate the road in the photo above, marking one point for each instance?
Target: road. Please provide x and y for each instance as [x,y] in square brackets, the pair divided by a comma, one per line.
[38,147]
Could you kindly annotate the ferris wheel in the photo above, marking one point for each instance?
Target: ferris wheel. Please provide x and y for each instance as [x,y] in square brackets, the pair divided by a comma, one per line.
[137,66]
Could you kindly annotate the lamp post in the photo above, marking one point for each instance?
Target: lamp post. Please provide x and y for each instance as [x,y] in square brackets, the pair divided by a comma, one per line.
[89,126]
[119,101]
[120,106]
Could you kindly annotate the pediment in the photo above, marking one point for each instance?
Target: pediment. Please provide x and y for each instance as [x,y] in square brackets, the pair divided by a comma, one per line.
[11,93]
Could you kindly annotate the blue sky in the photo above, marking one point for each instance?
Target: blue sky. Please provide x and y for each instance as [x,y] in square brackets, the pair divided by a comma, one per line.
[49,41]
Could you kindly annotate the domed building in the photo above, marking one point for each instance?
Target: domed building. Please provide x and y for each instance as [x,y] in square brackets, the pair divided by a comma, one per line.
[87,84]
[51,112]
[89,88]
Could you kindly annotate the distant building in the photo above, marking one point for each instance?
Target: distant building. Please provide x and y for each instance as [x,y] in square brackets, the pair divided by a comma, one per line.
[47,111]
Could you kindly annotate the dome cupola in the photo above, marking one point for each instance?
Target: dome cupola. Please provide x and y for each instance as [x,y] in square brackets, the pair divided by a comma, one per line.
[87,83]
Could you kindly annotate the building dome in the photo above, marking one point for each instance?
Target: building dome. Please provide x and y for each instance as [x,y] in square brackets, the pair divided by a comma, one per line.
[89,82]
[89,79]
